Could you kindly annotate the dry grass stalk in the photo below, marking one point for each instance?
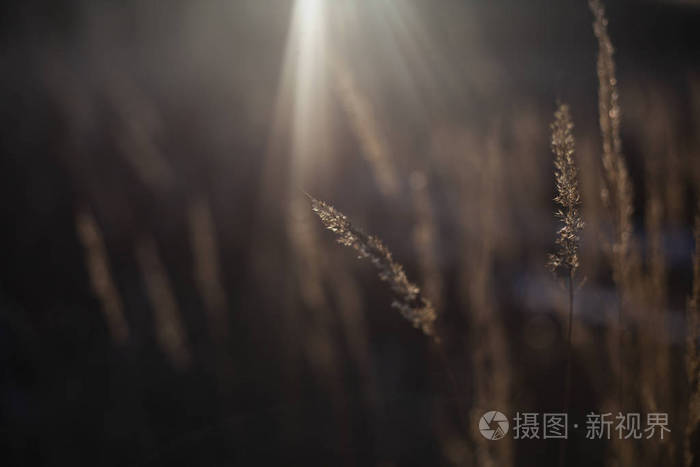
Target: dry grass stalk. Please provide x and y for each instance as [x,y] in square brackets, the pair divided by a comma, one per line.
[170,331]
[206,265]
[568,197]
[693,355]
[101,280]
[472,168]
[656,262]
[311,272]
[489,352]
[321,349]
[569,200]
[618,193]
[654,343]
[409,301]
[136,133]
[348,295]
[425,238]
[368,131]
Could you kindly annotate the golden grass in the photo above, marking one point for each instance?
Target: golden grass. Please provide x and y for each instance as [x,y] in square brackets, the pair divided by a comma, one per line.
[97,263]
[408,298]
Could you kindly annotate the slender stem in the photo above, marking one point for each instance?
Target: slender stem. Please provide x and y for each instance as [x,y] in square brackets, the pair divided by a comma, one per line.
[567,401]
[620,350]
[569,363]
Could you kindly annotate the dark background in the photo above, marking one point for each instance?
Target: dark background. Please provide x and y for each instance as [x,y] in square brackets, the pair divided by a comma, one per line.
[201,79]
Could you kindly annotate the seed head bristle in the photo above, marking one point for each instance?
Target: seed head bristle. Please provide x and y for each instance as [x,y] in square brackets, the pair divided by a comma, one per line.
[568,197]
[408,299]
[617,193]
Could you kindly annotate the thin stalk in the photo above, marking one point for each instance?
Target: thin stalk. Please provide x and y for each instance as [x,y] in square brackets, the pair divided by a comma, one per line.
[566,257]
[620,356]
[569,363]
[569,352]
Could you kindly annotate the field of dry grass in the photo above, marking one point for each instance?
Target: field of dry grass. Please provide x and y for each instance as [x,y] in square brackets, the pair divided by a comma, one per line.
[338,233]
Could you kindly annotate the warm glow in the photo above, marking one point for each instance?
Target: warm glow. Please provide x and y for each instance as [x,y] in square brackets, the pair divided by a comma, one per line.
[302,89]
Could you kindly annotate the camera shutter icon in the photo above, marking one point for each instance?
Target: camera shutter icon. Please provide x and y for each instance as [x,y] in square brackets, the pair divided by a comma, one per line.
[493,425]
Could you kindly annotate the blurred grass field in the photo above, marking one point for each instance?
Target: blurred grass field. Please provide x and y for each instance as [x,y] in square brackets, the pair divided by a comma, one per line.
[168,297]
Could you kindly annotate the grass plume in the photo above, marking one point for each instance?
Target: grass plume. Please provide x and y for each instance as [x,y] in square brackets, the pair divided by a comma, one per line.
[408,299]
[618,193]
[569,200]
[568,197]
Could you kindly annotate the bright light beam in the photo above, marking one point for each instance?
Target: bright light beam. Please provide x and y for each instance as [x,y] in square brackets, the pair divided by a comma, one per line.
[302,93]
